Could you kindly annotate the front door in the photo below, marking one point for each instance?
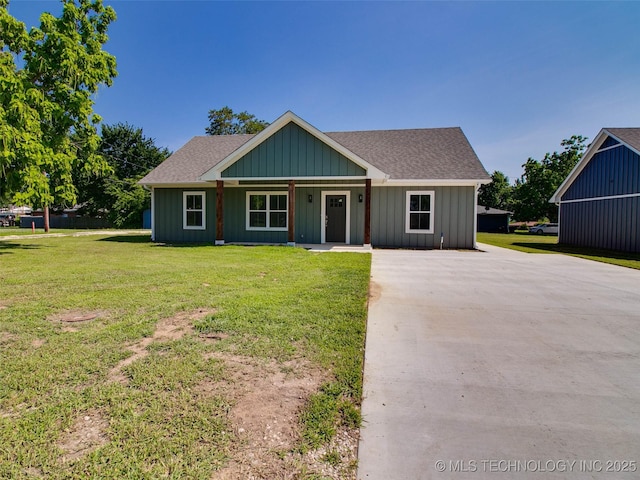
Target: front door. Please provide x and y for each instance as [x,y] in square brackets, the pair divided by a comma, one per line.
[336,218]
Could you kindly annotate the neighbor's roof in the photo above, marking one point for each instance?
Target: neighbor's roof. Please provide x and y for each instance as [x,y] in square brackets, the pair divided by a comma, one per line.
[630,136]
[418,154]
[482,210]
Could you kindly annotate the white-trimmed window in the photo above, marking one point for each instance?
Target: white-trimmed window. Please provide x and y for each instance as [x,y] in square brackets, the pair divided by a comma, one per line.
[267,210]
[193,210]
[419,213]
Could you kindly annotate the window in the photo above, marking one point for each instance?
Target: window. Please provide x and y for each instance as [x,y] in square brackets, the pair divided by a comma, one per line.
[419,217]
[193,215]
[267,210]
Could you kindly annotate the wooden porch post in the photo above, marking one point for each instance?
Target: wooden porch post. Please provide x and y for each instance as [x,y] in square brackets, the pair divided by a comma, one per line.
[291,235]
[219,212]
[367,212]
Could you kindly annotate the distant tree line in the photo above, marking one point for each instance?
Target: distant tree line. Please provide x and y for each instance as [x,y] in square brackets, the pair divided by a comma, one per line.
[528,198]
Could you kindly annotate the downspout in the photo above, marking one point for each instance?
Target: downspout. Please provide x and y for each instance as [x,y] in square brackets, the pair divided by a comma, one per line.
[475,216]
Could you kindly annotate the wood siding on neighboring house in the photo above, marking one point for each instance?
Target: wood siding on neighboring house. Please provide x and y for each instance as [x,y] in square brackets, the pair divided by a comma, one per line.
[454,212]
[169,210]
[612,224]
[292,152]
[601,208]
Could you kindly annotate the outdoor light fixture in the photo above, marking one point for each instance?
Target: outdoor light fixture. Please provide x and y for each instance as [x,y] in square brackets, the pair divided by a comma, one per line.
[360,198]
[310,198]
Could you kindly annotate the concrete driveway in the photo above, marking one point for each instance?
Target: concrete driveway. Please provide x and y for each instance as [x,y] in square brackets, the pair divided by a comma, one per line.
[500,364]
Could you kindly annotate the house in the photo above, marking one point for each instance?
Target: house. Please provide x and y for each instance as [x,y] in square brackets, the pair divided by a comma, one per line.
[599,200]
[292,183]
[493,220]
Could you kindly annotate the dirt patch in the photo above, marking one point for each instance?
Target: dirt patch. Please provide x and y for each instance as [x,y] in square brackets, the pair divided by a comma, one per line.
[6,337]
[375,290]
[76,316]
[37,343]
[267,399]
[167,329]
[87,433]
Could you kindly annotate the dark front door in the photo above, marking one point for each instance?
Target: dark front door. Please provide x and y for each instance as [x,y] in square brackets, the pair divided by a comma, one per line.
[336,219]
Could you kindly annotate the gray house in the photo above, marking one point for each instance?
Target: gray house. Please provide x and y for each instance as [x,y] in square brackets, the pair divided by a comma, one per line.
[600,199]
[292,184]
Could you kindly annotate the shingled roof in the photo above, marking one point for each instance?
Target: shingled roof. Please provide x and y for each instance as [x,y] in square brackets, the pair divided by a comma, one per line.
[418,154]
[630,136]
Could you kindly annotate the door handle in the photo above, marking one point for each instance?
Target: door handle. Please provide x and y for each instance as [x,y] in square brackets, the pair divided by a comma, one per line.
[326,221]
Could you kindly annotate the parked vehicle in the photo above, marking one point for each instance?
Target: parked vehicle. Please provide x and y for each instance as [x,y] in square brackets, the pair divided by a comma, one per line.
[545,228]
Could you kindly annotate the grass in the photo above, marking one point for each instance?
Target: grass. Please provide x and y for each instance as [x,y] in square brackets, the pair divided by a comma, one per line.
[8,231]
[531,243]
[272,302]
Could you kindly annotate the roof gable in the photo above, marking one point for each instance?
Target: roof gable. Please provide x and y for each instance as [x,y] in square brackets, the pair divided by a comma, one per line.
[292,152]
[215,173]
[622,137]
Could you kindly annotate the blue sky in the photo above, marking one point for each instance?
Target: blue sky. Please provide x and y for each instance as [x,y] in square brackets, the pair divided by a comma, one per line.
[518,77]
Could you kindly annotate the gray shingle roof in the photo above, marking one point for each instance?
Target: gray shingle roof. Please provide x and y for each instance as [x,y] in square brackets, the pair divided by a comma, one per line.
[425,154]
[630,136]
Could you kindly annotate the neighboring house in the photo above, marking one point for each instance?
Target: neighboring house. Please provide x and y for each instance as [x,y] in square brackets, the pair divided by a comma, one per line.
[493,220]
[292,184]
[600,199]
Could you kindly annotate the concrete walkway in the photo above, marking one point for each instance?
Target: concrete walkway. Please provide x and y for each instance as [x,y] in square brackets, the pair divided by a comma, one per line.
[500,364]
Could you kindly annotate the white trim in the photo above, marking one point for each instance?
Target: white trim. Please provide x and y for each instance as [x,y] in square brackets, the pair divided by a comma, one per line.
[407,217]
[594,199]
[434,182]
[618,145]
[153,214]
[215,172]
[184,210]
[267,211]
[475,218]
[267,179]
[323,213]
[298,185]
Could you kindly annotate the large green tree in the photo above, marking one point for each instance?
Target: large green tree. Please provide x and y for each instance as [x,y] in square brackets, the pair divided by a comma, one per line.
[47,77]
[496,194]
[541,179]
[116,194]
[225,122]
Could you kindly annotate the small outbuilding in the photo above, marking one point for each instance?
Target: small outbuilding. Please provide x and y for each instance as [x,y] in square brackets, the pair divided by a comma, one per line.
[492,220]
[600,199]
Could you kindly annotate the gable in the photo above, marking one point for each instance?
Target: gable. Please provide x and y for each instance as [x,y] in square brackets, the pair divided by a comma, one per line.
[289,152]
[613,170]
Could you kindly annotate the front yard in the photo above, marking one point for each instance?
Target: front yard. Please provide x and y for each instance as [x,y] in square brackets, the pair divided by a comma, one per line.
[530,243]
[124,359]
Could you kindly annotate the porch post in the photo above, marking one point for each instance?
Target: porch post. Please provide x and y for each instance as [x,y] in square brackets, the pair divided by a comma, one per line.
[291,235]
[219,212]
[367,212]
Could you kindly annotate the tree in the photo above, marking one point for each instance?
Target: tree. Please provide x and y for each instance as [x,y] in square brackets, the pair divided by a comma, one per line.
[47,124]
[130,156]
[541,179]
[496,194]
[226,122]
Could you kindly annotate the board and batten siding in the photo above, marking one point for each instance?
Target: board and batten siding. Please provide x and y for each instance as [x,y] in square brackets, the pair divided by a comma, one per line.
[168,216]
[588,218]
[454,214]
[308,223]
[613,172]
[292,152]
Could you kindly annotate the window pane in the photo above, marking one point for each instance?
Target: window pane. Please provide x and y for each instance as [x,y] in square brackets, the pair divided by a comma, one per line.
[414,203]
[278,202]
[258,219]
[424,221]
[194,219]
[257,202]
[425,203]
[278,219]
[414,221]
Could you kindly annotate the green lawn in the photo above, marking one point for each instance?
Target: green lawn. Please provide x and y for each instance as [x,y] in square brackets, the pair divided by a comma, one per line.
[271,303]
[530,243]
